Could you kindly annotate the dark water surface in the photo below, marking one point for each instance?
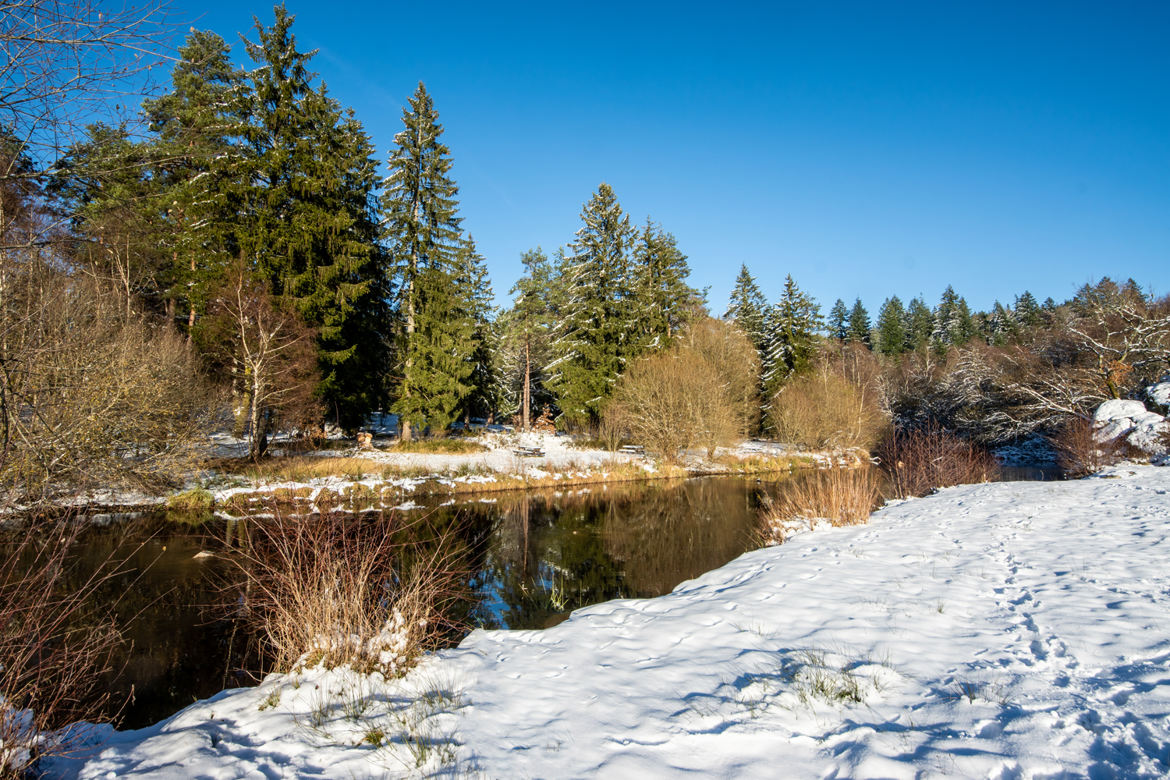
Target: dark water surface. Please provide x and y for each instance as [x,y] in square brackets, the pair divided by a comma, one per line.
[535,558]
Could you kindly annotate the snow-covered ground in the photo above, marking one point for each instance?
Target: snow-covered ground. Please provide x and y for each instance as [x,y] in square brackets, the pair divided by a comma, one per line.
[1011,630]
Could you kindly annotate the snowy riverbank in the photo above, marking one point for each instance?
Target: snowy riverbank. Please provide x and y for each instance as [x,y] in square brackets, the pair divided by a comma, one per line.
[1001,630]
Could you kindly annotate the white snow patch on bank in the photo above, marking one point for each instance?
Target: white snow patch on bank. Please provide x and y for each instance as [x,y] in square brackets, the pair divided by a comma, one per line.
[1002,630]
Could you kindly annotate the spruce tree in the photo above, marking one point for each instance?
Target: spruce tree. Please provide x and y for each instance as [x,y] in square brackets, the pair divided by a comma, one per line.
[858,329]
[593,341]
[839,321]
[484,381]
[202,167]
[663,301]
[311,228]
[919,324]
[891,328]
[747,308]
[1027,310]
[420,214]
[527,328]
[953,324]
[792,330]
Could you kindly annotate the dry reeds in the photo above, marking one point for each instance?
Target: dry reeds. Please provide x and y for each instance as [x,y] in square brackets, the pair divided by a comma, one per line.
[918,462]
[1078,451]
[363,592]
[842,496]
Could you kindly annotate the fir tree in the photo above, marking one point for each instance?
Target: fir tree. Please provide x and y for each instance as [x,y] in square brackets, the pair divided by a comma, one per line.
[999,325]
[792,330]
[422,234]
[858,331]
[747,309]
[1027,311]
[594,338]
[891,328]
[839,321]
[953,325]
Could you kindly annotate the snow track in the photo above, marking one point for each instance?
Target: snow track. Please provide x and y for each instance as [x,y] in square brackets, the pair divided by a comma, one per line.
[1015,630]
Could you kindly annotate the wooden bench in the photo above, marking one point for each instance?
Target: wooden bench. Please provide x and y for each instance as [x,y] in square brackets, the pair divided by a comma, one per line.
[529,452]
[632,449]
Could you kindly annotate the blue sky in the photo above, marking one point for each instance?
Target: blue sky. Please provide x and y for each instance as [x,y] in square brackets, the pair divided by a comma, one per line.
[868,149]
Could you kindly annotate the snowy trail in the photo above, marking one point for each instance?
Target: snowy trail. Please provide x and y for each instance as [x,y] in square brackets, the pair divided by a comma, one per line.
[1007,630]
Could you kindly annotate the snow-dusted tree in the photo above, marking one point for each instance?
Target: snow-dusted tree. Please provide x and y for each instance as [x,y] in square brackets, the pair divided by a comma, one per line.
[594,338]
[953,325]
[998,325]
[919,324]
[1027,312]
[421,229]
[748,308]
[662,300]
[793,324]
[838,324]
[891,328]
[858,330]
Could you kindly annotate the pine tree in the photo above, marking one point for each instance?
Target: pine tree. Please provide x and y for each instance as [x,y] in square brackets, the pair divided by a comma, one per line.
[839,321]
[422,233]
[891,328]
[663,301]
[919,324]
[858,330]
[792,330]
[593,342]
[747,308]
[953,324]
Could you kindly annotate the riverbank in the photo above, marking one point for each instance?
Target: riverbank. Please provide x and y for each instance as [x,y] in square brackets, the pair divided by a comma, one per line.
[999,630]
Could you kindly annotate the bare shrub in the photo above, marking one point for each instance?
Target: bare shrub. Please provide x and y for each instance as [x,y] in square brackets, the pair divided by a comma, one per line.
[1078,450]
[340,590]
[701,392]
[843,496]
[827,409]
[55,649]
[90,396]
[919,461]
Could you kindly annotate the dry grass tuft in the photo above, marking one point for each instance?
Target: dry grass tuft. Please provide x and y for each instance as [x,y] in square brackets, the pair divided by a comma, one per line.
[371,593]
[842,496]
[451,446]
[1078,451]
[920,461]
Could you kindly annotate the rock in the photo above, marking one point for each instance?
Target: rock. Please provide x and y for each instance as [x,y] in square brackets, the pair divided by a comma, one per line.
[1130,422]
[1160,393]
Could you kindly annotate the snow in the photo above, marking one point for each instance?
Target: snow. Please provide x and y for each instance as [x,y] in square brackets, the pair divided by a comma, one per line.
[1159,393]
[1000,630]
[1131,422]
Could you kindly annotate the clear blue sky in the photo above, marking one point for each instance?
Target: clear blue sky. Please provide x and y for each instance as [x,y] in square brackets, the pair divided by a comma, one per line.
[868,149]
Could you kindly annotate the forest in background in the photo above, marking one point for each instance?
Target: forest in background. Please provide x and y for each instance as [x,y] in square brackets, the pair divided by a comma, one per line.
[235,255]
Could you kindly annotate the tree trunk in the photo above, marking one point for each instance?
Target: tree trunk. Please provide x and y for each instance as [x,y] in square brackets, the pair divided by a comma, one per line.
[259,423]
[526,403]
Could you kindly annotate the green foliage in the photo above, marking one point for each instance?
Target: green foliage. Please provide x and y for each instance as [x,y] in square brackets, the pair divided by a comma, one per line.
[792,327]
[919,324]
[747,309]
[839,321]
[527,336]
[891,328]
[663,302]
[594,337]
[858,329]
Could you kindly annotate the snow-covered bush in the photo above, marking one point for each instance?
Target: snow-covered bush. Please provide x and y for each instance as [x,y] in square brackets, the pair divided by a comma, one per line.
[1131,425]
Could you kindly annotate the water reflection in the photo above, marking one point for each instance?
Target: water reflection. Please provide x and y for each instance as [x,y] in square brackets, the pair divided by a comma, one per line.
[534,559]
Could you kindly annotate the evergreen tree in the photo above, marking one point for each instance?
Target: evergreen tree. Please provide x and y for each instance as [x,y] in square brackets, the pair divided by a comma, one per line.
[593,342]
[311,229]
[748,308]
[201,168]
[999,325]
[839,321]
[1027,311]
[484,381]
[953,324]
[422,233]
[527,329]
[919,324]
[858,331]
[792,330]
[663,301]
[891,328]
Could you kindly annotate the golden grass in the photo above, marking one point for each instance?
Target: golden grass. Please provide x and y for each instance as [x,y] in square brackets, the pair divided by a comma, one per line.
[843,496]
[764,464]
[438,446]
